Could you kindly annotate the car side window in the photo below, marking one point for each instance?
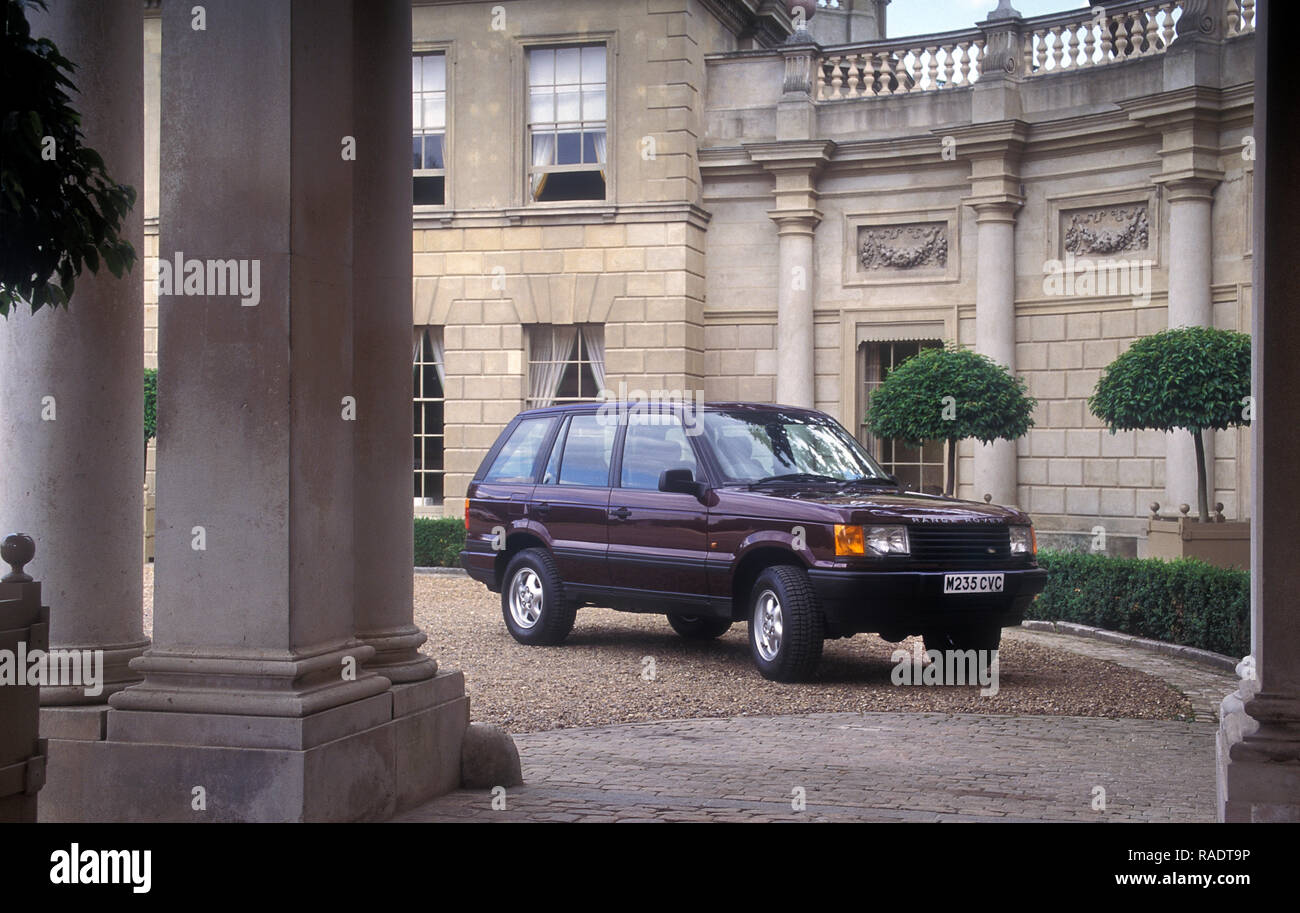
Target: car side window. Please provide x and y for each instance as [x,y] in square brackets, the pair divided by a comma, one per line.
[653,444]
[518,456]
[587,450]
[552,473]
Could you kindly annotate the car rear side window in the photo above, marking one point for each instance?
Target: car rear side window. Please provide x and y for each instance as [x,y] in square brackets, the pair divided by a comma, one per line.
[518,456]
[587,451]
[653,444]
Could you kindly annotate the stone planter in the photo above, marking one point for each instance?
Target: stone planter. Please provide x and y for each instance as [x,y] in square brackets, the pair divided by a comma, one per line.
[1223,544]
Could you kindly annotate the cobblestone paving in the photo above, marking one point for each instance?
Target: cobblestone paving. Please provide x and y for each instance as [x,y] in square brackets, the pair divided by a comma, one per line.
[875,766]
[856,767]
[1205,687]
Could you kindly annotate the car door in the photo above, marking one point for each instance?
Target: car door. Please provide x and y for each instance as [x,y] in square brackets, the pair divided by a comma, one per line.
[573,498]
[657,539]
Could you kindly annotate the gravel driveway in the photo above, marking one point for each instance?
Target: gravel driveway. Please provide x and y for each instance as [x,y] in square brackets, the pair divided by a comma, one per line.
[602,673]
[596,678]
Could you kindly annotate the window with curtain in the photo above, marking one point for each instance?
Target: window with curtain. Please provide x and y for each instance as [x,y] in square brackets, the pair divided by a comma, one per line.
[429,128]
[429,381]
[565,363]
[567,123]
[919,468]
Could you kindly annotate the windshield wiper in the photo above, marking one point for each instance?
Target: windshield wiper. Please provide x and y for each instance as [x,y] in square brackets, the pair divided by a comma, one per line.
[870,480]
[795,477]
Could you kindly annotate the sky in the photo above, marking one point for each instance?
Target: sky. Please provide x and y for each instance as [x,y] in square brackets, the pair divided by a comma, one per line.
[924,17]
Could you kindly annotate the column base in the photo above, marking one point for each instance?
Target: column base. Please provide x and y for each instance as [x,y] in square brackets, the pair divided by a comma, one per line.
[1258,757]
[361,761]
[397,654]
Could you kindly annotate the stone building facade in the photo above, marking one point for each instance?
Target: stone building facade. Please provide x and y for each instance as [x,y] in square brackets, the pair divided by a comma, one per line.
[700,197]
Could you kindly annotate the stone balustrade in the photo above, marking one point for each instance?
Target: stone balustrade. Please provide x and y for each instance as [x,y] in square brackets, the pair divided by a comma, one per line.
[1048,44]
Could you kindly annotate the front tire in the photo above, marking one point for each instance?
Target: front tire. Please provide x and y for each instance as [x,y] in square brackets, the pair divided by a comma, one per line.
[533,603]
[786,627]
[695,627]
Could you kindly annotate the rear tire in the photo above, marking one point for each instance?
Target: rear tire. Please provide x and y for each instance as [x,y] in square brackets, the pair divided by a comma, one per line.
[533,603]
[786,627]
[696,627]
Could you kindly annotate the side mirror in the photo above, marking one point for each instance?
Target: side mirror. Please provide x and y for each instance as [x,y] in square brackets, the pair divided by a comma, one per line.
[892,478]
[681,481]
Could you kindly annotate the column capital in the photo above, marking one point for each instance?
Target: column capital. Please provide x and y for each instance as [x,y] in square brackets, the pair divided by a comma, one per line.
[1196,184]
[795,221]
[999,208]
[993,150]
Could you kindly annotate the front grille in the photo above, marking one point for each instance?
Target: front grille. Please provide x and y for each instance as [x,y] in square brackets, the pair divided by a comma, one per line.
[959,542]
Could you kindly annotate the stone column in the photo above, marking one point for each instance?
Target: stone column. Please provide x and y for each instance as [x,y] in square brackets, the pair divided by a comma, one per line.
[794,309]
[995,333]
[1191,260]
[794,165]
[1259,733]
[381,344]
[257,703]
[72,448]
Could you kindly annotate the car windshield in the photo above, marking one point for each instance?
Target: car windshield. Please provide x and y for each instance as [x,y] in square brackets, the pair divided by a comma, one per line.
[775,446]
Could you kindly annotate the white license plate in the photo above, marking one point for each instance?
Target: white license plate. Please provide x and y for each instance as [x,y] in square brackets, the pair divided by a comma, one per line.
[973,583]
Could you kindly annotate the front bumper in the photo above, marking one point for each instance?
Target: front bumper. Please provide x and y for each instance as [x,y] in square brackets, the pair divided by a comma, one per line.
[907,602]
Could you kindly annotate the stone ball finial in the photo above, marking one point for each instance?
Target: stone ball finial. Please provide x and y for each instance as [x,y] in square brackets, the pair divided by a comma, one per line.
[1155,509]
[18,550]
[988,498]
[1218,512]
[1184,508]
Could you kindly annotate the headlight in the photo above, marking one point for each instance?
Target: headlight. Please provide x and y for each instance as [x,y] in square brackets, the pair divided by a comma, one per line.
[887,540]
[1023,541]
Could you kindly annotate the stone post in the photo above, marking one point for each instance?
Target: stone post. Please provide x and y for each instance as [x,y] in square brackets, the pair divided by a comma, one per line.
[72,416]
[381,344]
[1258,746]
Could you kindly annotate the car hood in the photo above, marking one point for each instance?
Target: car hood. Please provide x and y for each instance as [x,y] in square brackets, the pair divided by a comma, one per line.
[875,505]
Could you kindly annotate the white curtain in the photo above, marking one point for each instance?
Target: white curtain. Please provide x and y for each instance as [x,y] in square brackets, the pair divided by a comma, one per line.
[437,353]
[594,338]
[543,154]
[551,348]
[599,140]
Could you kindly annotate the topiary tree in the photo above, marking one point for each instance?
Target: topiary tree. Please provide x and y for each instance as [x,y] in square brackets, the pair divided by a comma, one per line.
[59,209]
[1189,378]
[950,394]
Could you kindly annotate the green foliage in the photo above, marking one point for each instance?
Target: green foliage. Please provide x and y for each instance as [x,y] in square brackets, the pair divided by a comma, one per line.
[150,403]
[1184,602]
[1190,377]
[56,215]
[438,541]
[987,403]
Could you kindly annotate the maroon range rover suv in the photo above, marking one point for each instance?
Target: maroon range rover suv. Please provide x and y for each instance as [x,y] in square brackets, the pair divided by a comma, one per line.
[735,511]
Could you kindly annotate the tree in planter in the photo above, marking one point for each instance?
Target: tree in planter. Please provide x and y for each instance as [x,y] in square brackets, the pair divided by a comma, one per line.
[1189,378]
[59,209]
[949,395]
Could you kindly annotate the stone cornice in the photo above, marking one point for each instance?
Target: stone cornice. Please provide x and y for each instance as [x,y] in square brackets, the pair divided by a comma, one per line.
[791,154]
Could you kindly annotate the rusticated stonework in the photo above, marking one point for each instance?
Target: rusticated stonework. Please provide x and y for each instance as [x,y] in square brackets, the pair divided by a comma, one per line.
[1106,230]
[904,247]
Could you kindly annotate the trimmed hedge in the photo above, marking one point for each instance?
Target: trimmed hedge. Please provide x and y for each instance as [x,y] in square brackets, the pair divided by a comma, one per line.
[438,541]
[1184,602]
[150,403]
